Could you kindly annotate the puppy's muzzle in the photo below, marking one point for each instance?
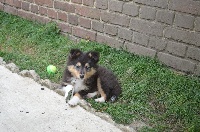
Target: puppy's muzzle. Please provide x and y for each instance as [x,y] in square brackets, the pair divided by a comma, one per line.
[81,76]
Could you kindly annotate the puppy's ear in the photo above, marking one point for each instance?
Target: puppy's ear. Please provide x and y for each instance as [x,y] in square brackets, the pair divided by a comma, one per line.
[74,53]
[94,56]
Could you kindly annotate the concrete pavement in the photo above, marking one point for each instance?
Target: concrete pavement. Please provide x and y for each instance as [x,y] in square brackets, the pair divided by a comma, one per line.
[25,107]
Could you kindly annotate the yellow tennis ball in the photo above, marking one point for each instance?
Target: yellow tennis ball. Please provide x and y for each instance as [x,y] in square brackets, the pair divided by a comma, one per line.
[51,69]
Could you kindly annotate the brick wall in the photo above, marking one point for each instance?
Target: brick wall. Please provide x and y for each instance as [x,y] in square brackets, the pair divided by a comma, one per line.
[166,29]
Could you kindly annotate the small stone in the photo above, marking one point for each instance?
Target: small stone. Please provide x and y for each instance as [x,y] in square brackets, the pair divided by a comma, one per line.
[34,75]
[31,74]
[45,82]
[12,67]
[24,73]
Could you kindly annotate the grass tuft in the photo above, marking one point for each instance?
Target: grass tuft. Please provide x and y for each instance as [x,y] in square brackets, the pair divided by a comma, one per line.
[152,93]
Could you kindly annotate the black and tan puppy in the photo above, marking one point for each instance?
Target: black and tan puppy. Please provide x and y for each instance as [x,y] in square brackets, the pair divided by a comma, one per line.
[88,78]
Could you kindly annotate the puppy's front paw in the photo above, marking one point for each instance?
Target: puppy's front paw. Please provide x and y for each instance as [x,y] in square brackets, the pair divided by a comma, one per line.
[74,101]
[101,99]
[91,95]
[68,91]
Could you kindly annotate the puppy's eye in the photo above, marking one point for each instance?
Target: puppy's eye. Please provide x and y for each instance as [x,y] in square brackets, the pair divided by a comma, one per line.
[77,67]
[87,68]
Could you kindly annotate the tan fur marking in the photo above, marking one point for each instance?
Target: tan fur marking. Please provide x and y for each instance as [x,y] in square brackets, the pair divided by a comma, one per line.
[90,55]
[78,64]
[86,64]
[90,73]
[77,54]
[100,88]
[73,71]
[78,95]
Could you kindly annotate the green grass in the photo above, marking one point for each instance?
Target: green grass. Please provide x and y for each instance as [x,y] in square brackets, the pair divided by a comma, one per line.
[152,93]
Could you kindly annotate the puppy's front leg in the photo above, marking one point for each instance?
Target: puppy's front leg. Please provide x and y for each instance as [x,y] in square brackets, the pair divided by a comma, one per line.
[74,100]
[91,95]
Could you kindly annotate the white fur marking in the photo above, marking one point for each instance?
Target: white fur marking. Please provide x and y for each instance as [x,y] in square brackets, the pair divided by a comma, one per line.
[67,89]
[74,101]
[91,95]
[78,85]
[101,100]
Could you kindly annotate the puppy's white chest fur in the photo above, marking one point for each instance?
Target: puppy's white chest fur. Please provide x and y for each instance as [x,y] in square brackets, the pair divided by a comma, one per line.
[78,85]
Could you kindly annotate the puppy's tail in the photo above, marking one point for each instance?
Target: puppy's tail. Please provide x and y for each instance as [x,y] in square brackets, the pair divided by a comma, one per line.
[113,98]
[115,93]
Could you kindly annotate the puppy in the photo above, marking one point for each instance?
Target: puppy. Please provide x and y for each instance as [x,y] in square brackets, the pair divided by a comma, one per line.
[88,78]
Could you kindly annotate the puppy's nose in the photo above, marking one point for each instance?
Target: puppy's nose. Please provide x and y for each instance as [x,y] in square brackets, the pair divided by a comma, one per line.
[81,76]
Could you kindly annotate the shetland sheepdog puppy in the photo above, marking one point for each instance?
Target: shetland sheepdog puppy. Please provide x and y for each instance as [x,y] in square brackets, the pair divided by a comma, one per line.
[88,79]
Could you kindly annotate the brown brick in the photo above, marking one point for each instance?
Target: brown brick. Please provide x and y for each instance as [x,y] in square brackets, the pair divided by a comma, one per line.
[182,36]
[176,48]
[42,19]
[193,53]
[62,16]
[125,33]
[73,38]
[97,26]
[10,9]
[48,3]
[156,3]
[25,14]
[59,5]
[111,29]
[115,19]
[187,6]
[9,2]
[110,41]
[88,2]
[176,62]
[52,13]
[1,6]
[43,10]
[77,1]
[35,17]
[115,5]
[83,33]
[147,12]
[88,12]
[64,6]
[197,24]
[184,20]
[73,19]
[142,26]
[157,43]
[31,1]
[130,9]
[25,6]
[17,3]
[165,16]
[85,22]
[141,39]
[102,4]
[197,71]
[140,50]
[65,27]
[34,8]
